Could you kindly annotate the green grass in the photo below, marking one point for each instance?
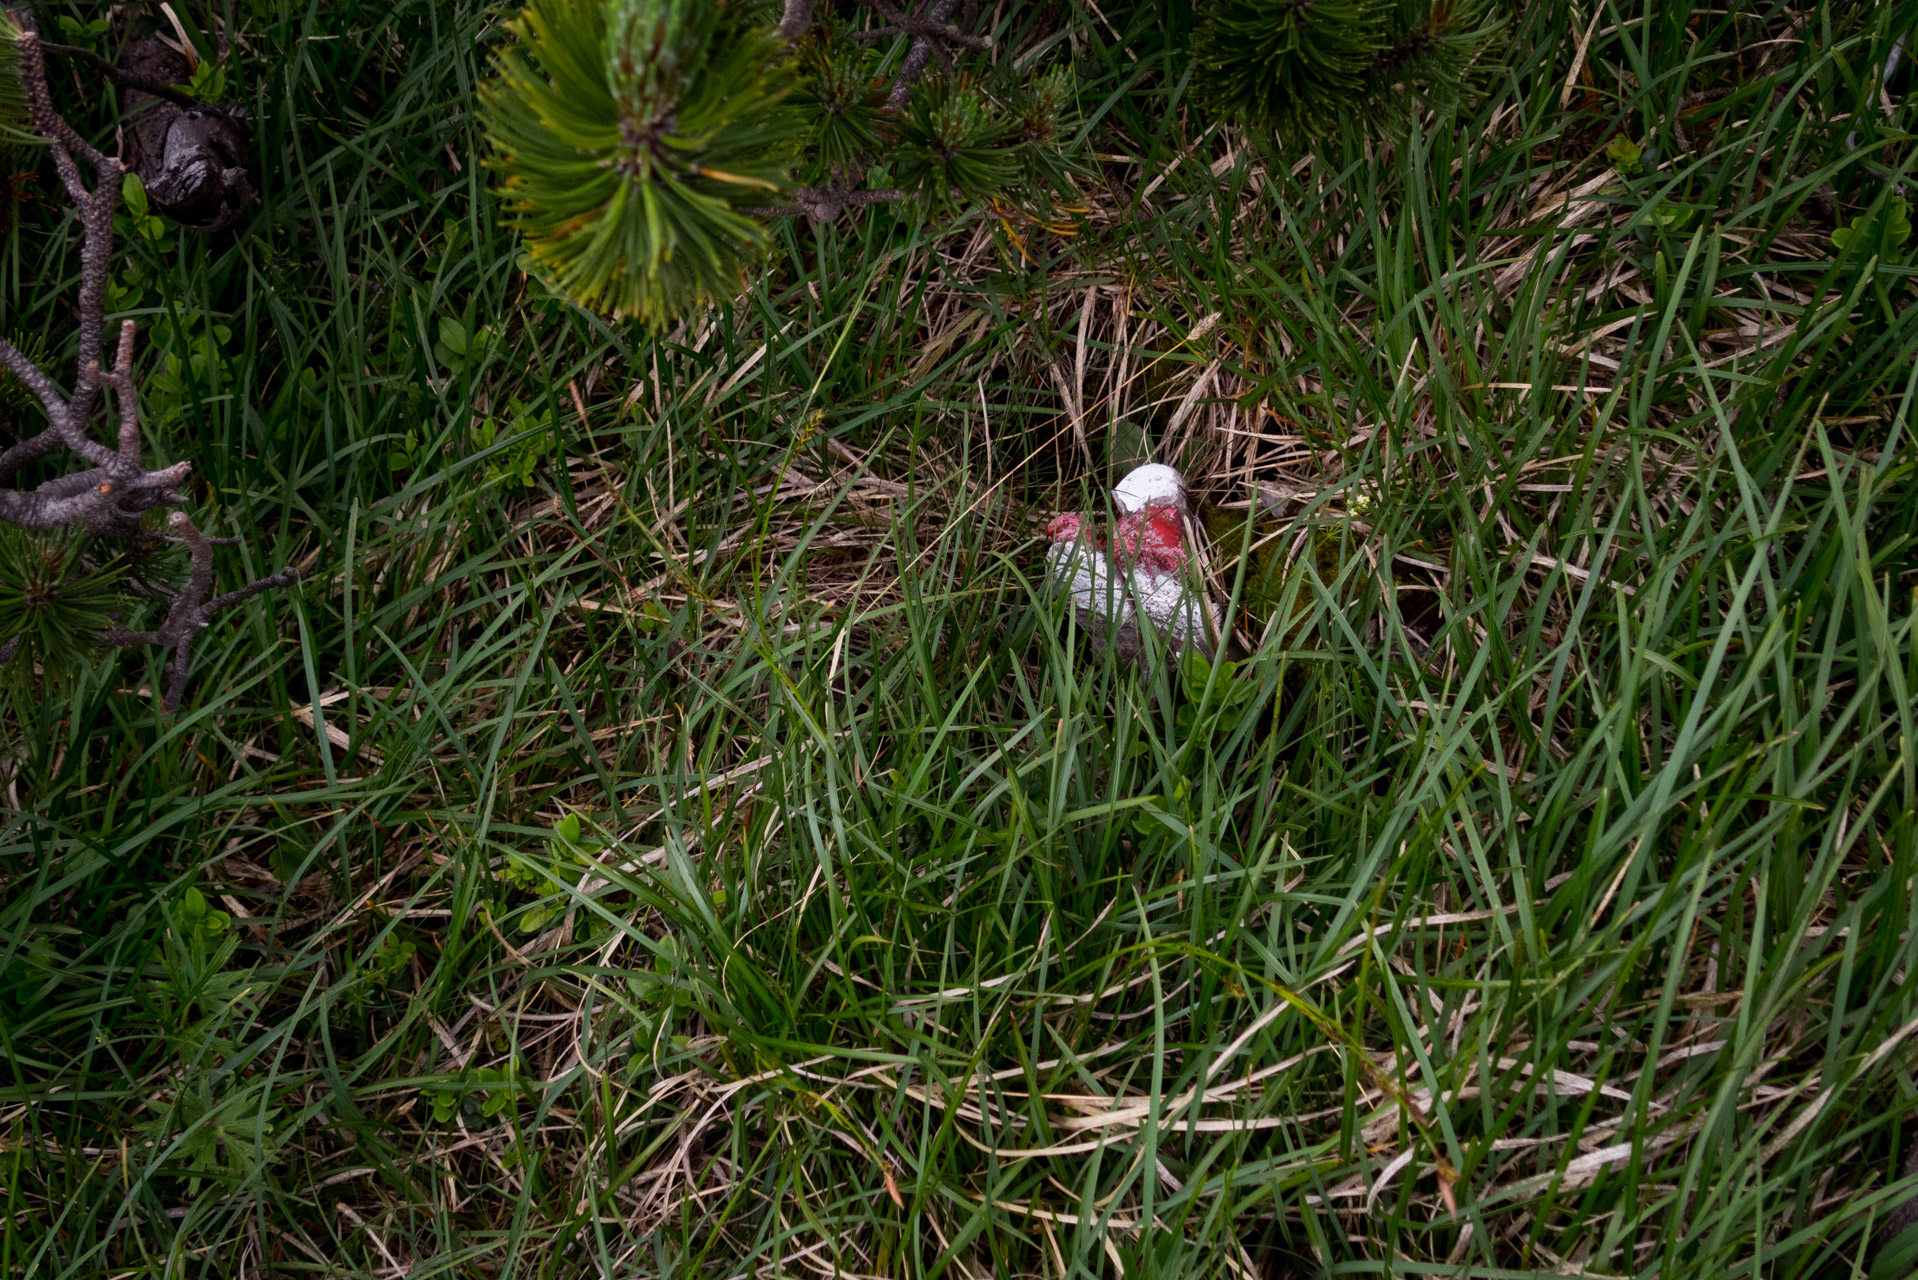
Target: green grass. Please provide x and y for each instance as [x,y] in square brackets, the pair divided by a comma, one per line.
[717,857]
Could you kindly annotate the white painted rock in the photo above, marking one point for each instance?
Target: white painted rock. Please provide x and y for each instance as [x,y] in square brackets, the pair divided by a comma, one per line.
[1149,570]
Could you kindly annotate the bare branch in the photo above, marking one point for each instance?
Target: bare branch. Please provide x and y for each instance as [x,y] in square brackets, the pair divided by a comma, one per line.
[113,494]
[121,76]
[33,72]
[190,612]
[96,269]
[824,204]
[931,29]
[796,21]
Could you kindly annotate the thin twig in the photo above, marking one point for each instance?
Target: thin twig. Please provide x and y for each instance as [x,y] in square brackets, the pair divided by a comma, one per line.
[129,79]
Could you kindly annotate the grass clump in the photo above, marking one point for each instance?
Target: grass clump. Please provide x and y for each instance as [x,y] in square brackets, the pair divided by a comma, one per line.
[719,857]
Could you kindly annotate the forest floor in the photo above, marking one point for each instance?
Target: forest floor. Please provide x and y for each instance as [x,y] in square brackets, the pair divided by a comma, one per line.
[672,832]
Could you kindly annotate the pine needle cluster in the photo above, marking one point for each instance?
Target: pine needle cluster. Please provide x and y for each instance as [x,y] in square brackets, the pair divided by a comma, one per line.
[16,128]
[641,146]
[1300,67]
[630,137]
[54,603]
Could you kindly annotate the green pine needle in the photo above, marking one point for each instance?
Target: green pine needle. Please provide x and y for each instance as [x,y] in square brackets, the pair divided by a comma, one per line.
[53,603]
[630,138]
[1291,65]
[955,149]
[1301,67]
[842,97]
[1045,112]
[16,127]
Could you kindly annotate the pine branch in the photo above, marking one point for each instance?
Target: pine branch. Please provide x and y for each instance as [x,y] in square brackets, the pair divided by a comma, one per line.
[190,612]
[639,142]
[628,138]
[111,496]
[1305,68]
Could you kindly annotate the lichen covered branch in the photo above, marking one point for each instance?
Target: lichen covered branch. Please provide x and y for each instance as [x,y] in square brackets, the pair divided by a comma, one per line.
[189,612]
[111,496]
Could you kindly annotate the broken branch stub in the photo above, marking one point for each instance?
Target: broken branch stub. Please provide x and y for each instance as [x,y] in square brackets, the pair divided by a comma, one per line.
[191,159]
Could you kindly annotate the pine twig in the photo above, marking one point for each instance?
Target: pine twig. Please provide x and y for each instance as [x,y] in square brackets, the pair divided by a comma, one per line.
[190,612]
[114,492]
[931,28]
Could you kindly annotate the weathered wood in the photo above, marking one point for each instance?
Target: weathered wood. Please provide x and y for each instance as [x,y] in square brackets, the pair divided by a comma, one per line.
[192,160]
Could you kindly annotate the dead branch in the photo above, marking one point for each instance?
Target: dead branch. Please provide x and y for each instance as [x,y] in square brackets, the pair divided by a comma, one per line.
[112,495]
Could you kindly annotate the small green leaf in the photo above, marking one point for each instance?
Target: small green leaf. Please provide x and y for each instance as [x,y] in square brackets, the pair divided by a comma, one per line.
[133,191]
[1893,225]
[1897,221]
[405,455]
[453,336]
[1626,156]
[192,907]
[208,82]
[1196,670]
[1673,217]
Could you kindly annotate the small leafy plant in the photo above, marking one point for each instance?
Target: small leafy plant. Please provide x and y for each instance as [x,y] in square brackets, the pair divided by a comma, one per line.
[475,1096]
[568,847]
[196,989]
[1626,156]
[208,82]
[461,349]
[218,1137]
[1217,701]
[1885,227]
[85,33]
[381,968]
[526,436]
